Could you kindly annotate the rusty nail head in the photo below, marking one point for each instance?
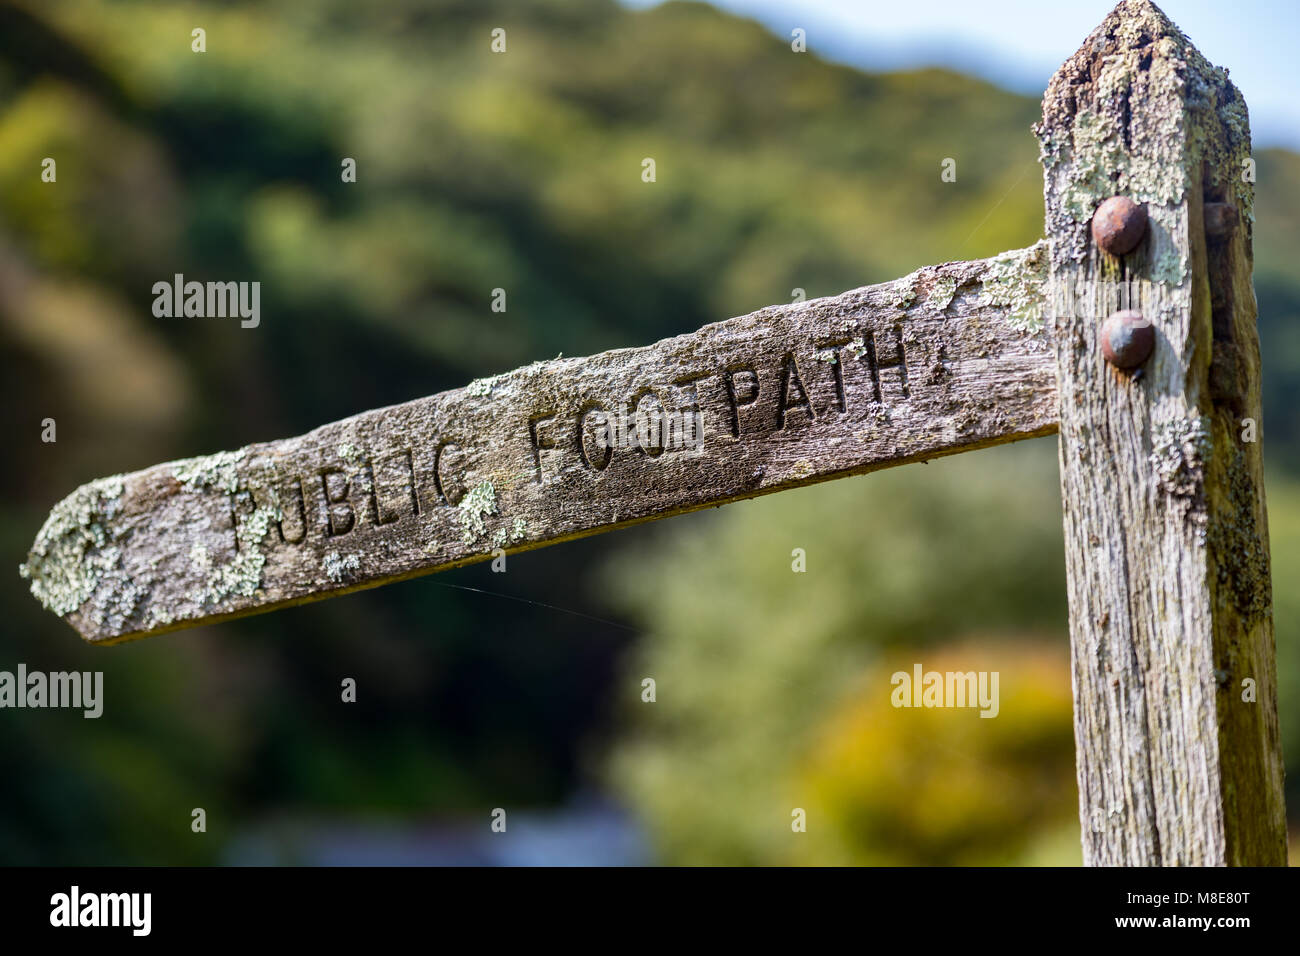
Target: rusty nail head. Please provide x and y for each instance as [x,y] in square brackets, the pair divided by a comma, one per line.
[1127,339]
[1118,225]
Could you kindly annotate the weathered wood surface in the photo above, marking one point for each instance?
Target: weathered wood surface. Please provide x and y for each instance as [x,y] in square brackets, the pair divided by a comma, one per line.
[1166,538]
[949,358]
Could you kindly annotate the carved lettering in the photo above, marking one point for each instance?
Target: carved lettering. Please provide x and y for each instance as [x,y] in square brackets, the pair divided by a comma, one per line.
[691,419]
[595,428]
[541,441]
[240,501]
[792,394]
[302,517]
[449,489]
[887,352]
[741,382]
[339,516]
[395,475]
[649,421]
[836,362]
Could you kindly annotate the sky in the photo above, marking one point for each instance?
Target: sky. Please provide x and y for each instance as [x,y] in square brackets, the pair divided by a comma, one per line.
[1019,44]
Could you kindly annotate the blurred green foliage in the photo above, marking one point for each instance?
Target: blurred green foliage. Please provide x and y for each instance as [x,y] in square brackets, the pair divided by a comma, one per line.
[522,171]
[773,686]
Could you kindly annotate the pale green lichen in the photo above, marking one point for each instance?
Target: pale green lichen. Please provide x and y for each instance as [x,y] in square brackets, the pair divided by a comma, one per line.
[1116,76]
[349,453]
[1015,281]
[1051,147]
[1179,450]
[1088,158]
[218,471]
[942,292]
[482,386]
[513,534]
[1097,150]
[72,553]
[1102,166]
[474,507]
[906,292]
[1170,267]
[242,575]
[159,616]
[117,600]
[339,568]
[1169,262]
[858,346]
[200,560]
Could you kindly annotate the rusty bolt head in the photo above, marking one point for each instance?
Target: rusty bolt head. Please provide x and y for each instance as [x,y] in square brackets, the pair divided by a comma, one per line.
[1127,339]
[1118,225]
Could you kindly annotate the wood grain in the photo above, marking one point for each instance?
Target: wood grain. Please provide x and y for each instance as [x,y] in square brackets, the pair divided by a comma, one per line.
[950,358]
[1166,537]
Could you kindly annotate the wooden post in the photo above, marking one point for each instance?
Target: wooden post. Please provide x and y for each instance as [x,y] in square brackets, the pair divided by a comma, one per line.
[1166,539]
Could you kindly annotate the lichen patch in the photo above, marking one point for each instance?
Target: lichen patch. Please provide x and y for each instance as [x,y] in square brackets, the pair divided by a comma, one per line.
[942,292]
[482,387]
[218,471]
[73,551]
[477,504]
[1014,281]
[242,575]
[340,567]
[905,294]
[1179,450]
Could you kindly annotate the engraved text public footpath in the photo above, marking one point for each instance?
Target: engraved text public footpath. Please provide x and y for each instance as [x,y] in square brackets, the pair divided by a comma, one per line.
[364,490]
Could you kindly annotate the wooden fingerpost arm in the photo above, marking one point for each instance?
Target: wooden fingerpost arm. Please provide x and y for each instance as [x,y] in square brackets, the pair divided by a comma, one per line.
[950,358]
[1175,691]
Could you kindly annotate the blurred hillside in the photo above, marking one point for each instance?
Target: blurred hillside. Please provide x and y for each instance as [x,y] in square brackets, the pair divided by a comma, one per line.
[522,171]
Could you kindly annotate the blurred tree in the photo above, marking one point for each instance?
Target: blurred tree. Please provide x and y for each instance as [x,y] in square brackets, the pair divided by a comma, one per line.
[773,685]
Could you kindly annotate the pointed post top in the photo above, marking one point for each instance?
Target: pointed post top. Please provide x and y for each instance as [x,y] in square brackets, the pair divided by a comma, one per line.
[1127,114]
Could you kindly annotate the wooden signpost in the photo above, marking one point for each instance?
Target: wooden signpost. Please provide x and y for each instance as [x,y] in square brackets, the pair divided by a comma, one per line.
[1176,725]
